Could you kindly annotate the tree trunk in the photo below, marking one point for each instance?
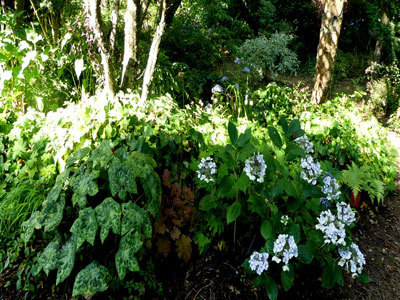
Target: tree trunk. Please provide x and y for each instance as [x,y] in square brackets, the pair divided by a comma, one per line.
[114,24]
[130,43]
[331,24]
[96,22]
[153,54]
[385,22]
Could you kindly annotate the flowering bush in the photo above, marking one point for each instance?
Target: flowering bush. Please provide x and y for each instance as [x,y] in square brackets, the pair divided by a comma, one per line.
[275,186]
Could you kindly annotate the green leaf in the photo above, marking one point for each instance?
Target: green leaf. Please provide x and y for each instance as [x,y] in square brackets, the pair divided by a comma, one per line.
[83,184]
[135,218]
[284,124]
[331,274]
[295,129]
[202,241]
[102,155]
[52,213]
[152,189]
[85,227]
[243,182]
[66,260]
[293,151]
[34,222]
[122,177]
[287,278]
[233,212]
[207,202]
[267,231]
[77,156]
[244,138]
[108,215]
[49,259]
[271,287]
[363,278]
[295,232]
[125,257]
[275,137]
[233,133]
[226,188]
[91,280]
[257,204]
[305,256]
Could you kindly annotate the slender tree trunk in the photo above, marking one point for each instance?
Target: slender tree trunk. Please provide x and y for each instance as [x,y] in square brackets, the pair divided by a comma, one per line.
[96,24]
[153,54]
[385,22]
[114,23]
[130,43]
[332,18]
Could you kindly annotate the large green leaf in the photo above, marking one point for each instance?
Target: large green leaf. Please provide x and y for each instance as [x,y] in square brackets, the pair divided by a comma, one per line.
[305,255]
[91,280]
[152,188]
[85,227]
[233,133]
[34,222]
[267,231]
[102,155]
[66,260]
[272,288]
[52,213]
[77,156]
[122,176]
[287,278]
[275,137]
[331,274]
[125,257]
[49,259]
[135,218]
[108,215]
[233,212]
[83,184]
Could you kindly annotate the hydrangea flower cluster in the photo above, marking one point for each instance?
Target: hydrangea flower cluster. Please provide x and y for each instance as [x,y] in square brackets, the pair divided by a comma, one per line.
[217,89]
[206,169]
[332,228]
[330,188]
[259,262]
[284,249]
[304,143]
[255,167]
[284,220]
[345,214]
[352,259]
[311,170]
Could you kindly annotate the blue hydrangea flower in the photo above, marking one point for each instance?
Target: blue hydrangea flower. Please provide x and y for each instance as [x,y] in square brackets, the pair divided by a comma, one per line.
[246,69]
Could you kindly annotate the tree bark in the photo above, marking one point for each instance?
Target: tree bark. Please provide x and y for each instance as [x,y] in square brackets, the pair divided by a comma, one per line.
[385,21]
[114,24]
[331,24]
[96,24]
[153,53]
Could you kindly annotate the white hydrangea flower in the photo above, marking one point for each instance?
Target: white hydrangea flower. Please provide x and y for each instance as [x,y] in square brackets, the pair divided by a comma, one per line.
[259,262]
[207,168]
[284,249]
[311,170]
[330,188]
[284,220]
[332,228]
[304,143]
[217,89]
[255,167]
[352,259]
[345,214]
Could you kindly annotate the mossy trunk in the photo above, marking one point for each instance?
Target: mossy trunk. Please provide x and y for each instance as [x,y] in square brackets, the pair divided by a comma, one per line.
[331,24]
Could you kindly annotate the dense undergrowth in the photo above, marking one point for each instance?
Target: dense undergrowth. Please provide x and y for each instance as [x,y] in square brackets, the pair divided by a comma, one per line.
[171,181]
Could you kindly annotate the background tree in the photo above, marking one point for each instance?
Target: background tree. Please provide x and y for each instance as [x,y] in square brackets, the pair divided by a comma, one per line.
[332,17]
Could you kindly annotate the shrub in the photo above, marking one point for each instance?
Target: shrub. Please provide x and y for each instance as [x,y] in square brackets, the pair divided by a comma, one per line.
[269,56]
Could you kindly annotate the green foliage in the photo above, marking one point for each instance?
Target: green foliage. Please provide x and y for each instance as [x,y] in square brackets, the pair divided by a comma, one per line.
[91,280]
[364,179]
[269,56]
